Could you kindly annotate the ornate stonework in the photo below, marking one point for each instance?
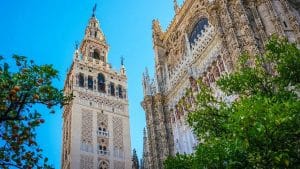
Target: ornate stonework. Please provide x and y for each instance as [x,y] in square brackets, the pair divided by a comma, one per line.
[203,41]
[119,165]
[96,131]
[86,162]
[86,130]
[118,143]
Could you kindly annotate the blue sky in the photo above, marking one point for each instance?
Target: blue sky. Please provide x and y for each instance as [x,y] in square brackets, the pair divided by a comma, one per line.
[46,31]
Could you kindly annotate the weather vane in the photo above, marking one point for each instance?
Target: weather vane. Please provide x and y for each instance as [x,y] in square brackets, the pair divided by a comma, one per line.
[94,9]
[122,60]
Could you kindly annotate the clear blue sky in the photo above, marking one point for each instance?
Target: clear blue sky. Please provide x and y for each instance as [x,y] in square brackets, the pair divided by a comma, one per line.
[46,31]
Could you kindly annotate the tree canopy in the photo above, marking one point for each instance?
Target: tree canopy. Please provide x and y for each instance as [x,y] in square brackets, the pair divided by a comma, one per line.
[24,86]
[260,127]
[135,160]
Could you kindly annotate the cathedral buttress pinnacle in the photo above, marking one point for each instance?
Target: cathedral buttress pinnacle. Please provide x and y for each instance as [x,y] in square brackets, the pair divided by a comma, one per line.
[176,6]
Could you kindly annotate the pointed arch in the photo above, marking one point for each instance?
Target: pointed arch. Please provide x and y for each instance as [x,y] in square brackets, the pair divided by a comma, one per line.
[197,29]
[103,165]
[96,54]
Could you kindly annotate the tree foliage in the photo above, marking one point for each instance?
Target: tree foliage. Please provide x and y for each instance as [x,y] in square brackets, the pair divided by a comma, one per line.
[135,160]
[22,87]
[260,128]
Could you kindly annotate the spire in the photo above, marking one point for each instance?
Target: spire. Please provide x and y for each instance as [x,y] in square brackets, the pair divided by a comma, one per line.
[176,6]
[146,83]
[122,61]
[76,53]
[93,30]
[123,70]
[157,32]
[94,48]
[94,10]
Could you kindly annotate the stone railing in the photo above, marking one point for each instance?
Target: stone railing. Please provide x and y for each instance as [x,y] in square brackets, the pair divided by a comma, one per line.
[103,152]
[103,133]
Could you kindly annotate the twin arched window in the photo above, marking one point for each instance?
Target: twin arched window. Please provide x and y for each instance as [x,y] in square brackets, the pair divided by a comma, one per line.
[101,83]
[197,30]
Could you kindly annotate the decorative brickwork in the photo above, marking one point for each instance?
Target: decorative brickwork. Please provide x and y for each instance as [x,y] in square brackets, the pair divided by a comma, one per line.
[118,137]
[98,115]
[87,131]
[119,165]
[86,162]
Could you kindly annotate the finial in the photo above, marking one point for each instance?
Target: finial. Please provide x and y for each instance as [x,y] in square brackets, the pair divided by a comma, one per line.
[156,28]
[76,45]
[146,71]
[176,7]
[94,10]
[122,60]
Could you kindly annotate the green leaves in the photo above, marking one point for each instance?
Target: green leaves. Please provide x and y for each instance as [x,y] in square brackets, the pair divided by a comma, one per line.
[22,87]
[260,128]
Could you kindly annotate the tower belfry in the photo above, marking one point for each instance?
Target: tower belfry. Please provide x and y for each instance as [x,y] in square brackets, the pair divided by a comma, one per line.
[96,124]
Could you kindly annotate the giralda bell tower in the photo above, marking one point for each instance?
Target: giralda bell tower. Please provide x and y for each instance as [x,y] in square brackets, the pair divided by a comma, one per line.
[96,124]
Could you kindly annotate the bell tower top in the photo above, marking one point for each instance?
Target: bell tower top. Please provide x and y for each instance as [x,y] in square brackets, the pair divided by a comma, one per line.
[94,47]
[93,30]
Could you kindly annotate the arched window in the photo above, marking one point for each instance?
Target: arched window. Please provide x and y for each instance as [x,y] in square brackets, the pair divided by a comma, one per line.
[90,82]
[197,29]
[101,83]
[81,79]
[112,89]
[103,165]
[120,92]
[96,55]
[102,148]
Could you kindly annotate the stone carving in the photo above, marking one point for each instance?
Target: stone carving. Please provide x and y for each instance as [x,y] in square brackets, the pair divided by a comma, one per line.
[234,26]
[118,138]
[87,130]
[119,165]
[86,162]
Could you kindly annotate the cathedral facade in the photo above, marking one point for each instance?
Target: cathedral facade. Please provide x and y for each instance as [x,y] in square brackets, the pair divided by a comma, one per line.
[203,42]
[96,131]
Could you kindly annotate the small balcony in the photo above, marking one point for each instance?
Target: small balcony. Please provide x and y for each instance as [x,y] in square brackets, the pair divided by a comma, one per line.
[101,133]
[103,152]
